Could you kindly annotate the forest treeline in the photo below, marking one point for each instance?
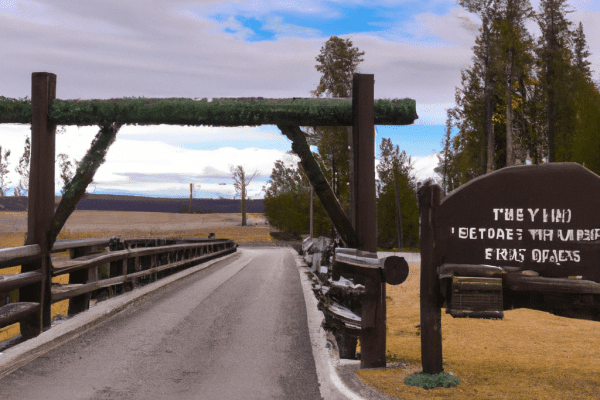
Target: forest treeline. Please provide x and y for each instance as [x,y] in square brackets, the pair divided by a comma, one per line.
[524,99]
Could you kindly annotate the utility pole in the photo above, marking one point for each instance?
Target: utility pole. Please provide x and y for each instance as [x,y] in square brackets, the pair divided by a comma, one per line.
[191,188]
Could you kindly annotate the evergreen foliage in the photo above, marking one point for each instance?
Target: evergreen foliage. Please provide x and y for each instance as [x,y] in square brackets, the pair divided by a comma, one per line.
[217,112]
[430,381]
[395,177]
[287,201]
[338,62]
[542,94]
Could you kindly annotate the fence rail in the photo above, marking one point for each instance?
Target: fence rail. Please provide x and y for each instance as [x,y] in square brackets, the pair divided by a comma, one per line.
[128,260]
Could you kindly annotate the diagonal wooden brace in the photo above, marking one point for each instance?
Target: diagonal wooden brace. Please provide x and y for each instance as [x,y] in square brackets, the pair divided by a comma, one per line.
[319,183]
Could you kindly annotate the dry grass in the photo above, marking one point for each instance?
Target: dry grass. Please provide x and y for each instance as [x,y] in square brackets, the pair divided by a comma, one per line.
[527,355]
[97,224]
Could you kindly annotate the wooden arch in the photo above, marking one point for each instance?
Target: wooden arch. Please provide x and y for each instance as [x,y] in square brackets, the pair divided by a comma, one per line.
[45,112]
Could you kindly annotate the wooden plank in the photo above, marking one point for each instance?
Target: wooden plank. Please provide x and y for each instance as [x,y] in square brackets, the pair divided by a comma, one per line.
[521,282]
[15,281]
[16,312]
[472,283]
[477,270]
[64,245]
[343,314]
[63,262]
[11,256]
[120,255]
[429,197]
[317,180]
[65,291]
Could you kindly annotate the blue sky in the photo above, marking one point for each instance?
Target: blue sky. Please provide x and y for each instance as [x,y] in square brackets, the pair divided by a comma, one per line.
[215,48]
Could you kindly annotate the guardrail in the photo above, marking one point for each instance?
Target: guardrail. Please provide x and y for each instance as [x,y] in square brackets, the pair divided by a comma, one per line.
[129,261]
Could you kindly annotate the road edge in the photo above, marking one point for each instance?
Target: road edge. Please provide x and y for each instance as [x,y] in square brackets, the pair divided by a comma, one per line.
[17,356]
[330,384]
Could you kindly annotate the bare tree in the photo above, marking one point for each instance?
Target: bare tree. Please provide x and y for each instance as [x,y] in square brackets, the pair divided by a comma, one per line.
[66,170]
[240,182]
[4,182]
[22,188]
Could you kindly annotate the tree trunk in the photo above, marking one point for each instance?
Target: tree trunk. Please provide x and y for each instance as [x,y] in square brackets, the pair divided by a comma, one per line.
[399,230]
[243,203]
[489,126]
[510,155]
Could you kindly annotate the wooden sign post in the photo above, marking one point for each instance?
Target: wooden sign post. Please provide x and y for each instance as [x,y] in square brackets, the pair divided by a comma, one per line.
[372,332]
[40,203]
[520,237]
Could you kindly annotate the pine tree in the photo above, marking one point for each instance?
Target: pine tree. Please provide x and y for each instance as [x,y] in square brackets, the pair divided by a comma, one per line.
[445,157]
[485,55]
[581,52]
[554,54]
[287,202]
[338,61]
[513,45]
[397,211]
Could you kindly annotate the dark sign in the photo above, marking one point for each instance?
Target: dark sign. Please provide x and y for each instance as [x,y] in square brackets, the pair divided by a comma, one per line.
[544,218]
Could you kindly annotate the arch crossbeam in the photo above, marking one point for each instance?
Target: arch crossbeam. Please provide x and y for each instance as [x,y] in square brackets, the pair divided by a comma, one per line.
[245,111]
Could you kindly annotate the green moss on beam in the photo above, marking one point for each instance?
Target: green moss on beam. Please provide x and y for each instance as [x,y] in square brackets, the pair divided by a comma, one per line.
[216,112]
[15,111]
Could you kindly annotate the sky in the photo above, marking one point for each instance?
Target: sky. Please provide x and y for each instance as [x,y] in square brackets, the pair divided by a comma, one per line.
[214,48]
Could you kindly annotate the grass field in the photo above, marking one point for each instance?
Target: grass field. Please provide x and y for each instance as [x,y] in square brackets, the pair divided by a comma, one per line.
[527,355]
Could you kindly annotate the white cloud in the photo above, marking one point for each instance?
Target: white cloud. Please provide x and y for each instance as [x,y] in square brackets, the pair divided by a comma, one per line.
[423,167]
[152,166]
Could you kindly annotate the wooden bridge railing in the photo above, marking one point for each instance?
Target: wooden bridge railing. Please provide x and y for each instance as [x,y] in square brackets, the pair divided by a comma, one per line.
[129,261]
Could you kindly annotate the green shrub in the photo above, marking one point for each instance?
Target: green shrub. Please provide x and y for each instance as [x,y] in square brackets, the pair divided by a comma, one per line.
[428,381]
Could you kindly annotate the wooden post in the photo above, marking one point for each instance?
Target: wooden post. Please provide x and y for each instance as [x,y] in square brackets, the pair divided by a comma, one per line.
[191,186]
[372,332]
[317,180]
[431,317]
[40,200]
[81,303]
[312,196]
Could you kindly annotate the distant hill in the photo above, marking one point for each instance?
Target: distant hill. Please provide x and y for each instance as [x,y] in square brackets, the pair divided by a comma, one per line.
[109,202]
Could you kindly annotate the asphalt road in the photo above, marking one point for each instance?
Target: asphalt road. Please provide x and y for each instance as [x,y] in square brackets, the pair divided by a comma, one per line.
[237,330]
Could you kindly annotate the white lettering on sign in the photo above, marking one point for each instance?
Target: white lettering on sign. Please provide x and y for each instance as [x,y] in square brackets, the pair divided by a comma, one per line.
[554,256]
[515,235]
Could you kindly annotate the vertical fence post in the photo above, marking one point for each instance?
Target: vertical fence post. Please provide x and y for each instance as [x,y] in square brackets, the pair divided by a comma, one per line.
[40,200]
[81,303]
[372,332]
[431,318]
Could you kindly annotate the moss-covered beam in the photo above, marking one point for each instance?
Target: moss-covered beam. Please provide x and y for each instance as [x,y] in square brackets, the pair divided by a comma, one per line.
[330,203]
[248,111]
